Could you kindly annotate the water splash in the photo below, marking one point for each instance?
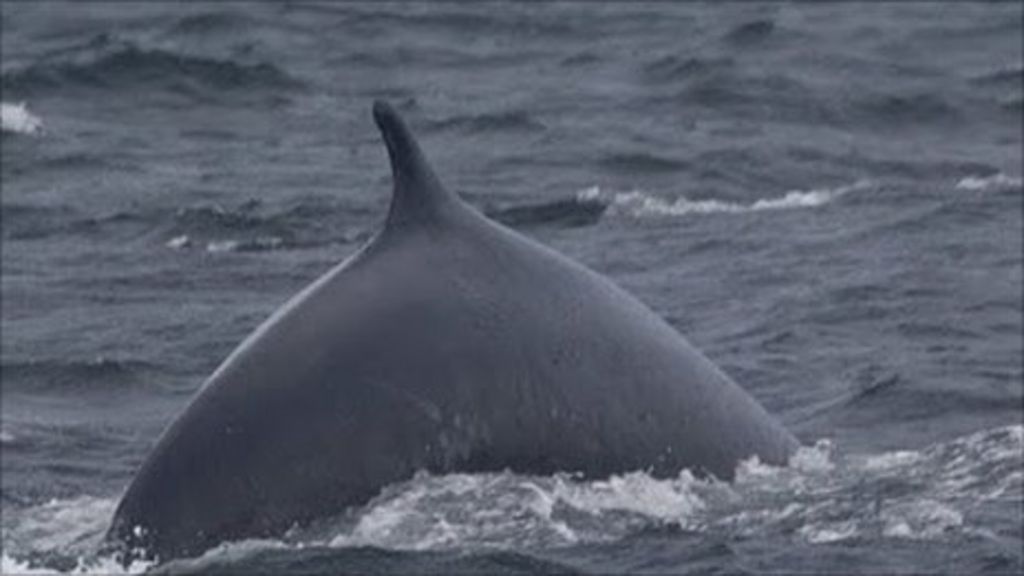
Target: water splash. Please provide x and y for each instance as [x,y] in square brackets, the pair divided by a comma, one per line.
[62,536]
[98,566]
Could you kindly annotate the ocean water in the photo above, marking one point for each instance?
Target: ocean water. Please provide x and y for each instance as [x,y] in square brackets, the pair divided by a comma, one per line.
[826,199]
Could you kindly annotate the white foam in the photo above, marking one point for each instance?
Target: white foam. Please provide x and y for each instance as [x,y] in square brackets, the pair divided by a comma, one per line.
[6,437]
[17,119]
[639,203]
[997,181]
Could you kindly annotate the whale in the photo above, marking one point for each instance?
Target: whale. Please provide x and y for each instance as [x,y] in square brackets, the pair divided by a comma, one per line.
[448,343]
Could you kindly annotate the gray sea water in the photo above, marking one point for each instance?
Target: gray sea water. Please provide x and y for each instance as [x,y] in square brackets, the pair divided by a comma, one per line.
[826,199]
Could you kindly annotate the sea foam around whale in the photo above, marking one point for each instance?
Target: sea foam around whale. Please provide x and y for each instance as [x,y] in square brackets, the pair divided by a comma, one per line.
[919,495]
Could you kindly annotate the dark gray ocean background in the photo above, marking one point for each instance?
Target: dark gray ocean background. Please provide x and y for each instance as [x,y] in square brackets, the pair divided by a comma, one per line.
[826,199]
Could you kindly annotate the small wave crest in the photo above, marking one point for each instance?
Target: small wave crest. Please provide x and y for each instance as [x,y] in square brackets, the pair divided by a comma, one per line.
[15,118]
[642,204]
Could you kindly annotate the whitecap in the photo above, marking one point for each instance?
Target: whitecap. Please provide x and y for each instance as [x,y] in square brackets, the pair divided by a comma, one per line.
[892,460]
[640,203]
[17,119]
[259,244]
[219,246]
[998,181]
[179,242]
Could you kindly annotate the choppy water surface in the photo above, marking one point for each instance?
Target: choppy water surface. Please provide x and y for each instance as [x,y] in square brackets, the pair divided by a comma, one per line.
[827,200]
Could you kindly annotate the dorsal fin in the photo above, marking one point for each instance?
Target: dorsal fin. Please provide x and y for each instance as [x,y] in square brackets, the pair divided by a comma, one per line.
[418,194]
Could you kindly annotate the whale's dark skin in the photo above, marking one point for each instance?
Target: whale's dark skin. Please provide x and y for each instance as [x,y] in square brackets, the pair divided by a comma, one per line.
[448,343]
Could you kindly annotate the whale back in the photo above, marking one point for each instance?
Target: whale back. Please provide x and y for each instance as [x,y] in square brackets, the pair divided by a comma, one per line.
[449,343]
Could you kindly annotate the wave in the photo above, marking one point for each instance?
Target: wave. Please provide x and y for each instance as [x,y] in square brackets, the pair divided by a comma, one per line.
[209,23]
[16,119]
[773,97]
[998,181]
[641,204]
[630,163]
[309,222]
[373,18]
[513,120]
[1009,77]
[31,222]
[99,374]
[674,67]
[1013,105]
[785,97]
[109,64]
[580,59]
[822,497]
[896,109]
[26,221]
[249,227]
[567,212]
[750,33]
